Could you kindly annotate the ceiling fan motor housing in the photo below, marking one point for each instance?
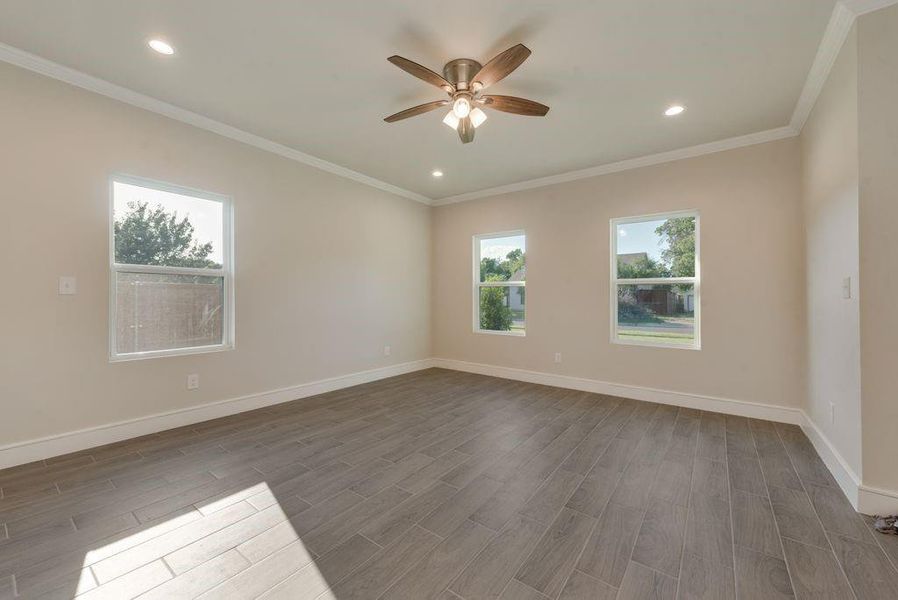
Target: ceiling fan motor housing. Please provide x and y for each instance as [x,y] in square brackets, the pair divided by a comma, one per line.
[460,71]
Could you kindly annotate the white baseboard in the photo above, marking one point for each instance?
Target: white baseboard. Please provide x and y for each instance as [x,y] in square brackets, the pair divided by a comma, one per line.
[865,499]
[32,450]
[769,412]
[877,501]
[845,476]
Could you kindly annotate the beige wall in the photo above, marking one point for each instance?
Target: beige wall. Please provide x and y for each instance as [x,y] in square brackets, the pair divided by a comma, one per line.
[829,144]
[752,276]
[328,271]
[878,217]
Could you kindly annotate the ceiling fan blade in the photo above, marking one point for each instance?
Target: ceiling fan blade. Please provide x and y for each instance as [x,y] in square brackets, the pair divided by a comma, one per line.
[500,66]
[421,72]
[517,106]
[416,110]
[466,130]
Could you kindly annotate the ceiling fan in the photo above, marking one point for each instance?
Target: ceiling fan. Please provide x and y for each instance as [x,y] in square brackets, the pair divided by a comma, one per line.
[464,80]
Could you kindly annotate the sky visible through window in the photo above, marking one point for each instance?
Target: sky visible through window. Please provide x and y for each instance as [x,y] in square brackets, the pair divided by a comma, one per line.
[640,237]
[499,248]
[205,215]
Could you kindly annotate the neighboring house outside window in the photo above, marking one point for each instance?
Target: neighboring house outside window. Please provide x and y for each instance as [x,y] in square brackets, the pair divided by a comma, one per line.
[171,286]
[655,281]
[499,283]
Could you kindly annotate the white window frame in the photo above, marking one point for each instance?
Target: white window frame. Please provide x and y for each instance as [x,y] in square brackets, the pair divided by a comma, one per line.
[482,284]
[226,272]
[696,344]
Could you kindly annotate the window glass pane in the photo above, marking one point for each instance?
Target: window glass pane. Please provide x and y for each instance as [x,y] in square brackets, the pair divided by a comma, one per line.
[153,227]
[502,259]
[502,308]
[162,312]
[659,314]
[656,248]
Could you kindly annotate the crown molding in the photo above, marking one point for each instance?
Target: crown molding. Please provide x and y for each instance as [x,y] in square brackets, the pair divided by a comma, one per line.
[834,36]
[862,7]
[625,165]
[37,64]
[845,13]
[843,17]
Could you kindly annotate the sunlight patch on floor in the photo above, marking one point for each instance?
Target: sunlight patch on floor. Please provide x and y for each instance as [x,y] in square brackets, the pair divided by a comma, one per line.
[135,564]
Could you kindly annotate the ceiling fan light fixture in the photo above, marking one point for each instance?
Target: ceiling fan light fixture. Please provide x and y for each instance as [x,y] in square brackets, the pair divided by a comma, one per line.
[477,117]
[451,120]
[462,107]
[464,79]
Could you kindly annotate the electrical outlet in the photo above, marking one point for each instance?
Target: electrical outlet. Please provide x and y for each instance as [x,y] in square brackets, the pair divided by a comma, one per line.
[387,351]
[67,285]
[558,357]
[193,381]
[832,412]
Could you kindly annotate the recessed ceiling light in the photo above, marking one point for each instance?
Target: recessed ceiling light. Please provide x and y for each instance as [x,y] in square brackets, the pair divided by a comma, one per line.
[674,110]
[161,47]
[437,173]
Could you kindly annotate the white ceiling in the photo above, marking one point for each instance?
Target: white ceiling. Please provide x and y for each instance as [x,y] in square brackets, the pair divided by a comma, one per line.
[314,77]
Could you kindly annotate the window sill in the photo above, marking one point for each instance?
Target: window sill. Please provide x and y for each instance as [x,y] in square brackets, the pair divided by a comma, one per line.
[620,342]
[170,353]
[505,333]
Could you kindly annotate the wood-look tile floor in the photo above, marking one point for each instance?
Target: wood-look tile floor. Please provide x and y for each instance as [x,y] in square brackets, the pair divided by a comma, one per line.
[444,485]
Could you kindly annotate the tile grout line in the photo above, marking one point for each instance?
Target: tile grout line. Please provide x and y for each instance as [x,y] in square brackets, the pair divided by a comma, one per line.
[465,566]
[563,506]
[380,546]
[726,463]
[592,530]
[597,519]
[652,569]
[813,508]
[644,512]
[689,504]
[555,470]
[94,574]
[779,537]
[561,462]
[893,562]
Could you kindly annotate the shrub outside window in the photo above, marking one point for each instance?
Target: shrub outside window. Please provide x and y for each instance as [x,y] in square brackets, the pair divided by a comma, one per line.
[500,283]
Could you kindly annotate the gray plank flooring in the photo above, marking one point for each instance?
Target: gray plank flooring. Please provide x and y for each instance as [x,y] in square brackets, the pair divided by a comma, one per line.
[447,486]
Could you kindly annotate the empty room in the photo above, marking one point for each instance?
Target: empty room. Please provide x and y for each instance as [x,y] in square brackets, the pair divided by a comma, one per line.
[477,300]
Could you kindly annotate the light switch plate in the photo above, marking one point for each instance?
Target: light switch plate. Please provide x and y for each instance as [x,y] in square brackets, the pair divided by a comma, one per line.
[67,285]
[846,288]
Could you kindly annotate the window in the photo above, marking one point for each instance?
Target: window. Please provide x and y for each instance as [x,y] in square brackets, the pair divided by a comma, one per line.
[171,280]
[655,280]
[499,281]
